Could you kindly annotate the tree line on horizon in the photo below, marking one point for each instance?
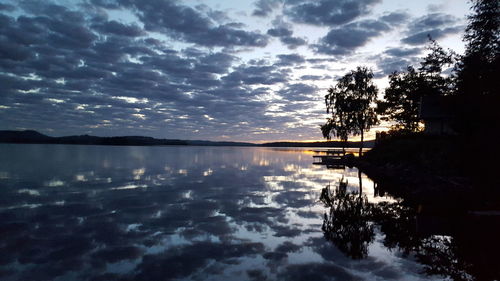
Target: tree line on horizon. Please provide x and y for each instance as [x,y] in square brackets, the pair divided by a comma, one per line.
[472,87]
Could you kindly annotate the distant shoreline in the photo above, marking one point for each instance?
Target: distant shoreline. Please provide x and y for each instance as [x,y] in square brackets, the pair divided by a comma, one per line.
[34,137]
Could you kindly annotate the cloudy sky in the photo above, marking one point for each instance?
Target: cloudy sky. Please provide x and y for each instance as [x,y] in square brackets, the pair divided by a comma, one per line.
[249,70]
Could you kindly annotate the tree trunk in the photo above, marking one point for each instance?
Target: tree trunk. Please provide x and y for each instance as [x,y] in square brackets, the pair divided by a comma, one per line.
[361,145]
[360,183]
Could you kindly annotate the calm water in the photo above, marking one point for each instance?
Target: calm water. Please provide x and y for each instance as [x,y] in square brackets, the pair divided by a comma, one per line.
[204,213]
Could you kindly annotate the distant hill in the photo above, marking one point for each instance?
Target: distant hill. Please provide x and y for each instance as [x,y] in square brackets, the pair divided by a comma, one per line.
[30,136]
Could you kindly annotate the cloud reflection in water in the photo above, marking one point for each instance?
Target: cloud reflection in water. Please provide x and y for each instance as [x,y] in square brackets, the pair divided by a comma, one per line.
[159,213]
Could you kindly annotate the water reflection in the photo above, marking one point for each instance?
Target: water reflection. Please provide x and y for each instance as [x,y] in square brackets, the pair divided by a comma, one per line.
[160,213]
[347,225]
[446,246]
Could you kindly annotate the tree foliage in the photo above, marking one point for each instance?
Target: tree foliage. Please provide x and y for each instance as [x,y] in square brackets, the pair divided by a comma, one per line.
[482,34]
[437,61]
[338,124]
[350,103]
[402,99]
[478,70]
[403,96]
[477,80]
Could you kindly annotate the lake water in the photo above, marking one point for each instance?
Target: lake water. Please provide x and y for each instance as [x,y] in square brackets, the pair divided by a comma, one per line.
[71,212]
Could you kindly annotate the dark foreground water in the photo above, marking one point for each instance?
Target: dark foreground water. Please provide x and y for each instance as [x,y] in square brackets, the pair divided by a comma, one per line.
[209,213]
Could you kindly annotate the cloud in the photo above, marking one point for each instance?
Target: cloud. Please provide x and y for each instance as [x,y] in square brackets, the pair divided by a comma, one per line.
[7,7]
[279,32]
[85,72]
[388,65]
[402,52]
[423,37]
[299,92]
[293,42]
[327,12]
[396,18]
[117,28]
[252,75]
[187,24]
[345,39]
[290,59]
[283,31]
[265,7]
[396,59]
[437,25]
[311,77]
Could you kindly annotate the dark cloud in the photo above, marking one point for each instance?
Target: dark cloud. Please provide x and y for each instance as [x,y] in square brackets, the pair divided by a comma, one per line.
[283,31]
[215,63]
[251,75]
[311,77]
[290,59]
[431,21]
[118,253]
[403,52]
[279,32]
[396,59]
[327,12]
[396,18]
[436,25]
[293,42]
[298,92]
[11,51]
[265,7]
[81,75]
[117,28]
[58,26]
[388,65]
[423,37]
[346,39]
[7,7]
[108,4]
[187,24]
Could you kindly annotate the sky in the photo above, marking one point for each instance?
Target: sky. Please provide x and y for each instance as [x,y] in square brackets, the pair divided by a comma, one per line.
[223,70]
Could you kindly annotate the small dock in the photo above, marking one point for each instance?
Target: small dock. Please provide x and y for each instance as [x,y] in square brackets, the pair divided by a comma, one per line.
[330,157]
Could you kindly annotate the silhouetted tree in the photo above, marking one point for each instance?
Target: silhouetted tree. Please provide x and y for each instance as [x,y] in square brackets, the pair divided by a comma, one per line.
[432,67]
[350,103]
[477,80]
[402,99]
[403,96]
[338,125]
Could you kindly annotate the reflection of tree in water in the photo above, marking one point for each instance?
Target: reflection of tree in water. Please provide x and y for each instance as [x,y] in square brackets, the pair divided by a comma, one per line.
[397,222]
[347,224]
[440,256]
